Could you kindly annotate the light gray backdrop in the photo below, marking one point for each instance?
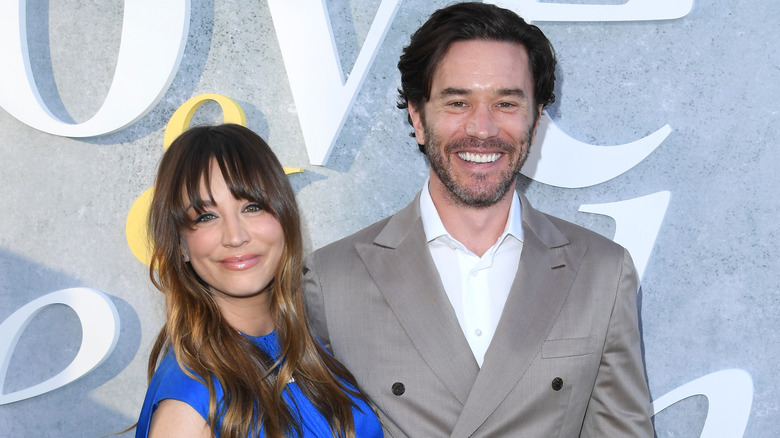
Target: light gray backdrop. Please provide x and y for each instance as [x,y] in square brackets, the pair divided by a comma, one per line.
[710,298]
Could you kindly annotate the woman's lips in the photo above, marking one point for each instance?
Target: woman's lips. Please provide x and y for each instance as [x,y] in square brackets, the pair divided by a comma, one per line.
[240,263]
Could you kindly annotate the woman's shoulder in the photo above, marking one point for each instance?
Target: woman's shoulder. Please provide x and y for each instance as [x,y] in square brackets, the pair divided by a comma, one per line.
[171,382]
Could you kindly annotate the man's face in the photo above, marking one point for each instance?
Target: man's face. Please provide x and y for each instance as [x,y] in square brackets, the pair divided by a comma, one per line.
[479,122]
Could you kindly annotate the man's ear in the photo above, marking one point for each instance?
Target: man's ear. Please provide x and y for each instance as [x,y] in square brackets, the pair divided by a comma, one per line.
[536,123]
[417,124]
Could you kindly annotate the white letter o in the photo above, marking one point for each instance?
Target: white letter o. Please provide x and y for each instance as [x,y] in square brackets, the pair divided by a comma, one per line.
[100,333]
[154,34]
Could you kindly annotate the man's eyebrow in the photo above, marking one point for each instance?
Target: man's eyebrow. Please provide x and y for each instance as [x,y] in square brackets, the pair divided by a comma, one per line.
[511,92]
[453,91]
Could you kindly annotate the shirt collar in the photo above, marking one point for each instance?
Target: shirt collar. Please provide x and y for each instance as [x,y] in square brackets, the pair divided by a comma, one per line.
[434,228]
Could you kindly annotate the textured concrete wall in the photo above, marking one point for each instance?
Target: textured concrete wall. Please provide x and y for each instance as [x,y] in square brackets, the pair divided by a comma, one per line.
[711,290]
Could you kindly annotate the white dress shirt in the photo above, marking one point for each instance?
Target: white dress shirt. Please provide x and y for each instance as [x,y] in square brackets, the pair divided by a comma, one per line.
[476,286]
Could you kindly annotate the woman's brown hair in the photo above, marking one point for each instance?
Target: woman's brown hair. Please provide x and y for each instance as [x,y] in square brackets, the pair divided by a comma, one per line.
[206,346]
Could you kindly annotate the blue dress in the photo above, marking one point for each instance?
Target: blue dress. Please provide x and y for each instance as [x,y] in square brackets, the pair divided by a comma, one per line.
[170,382]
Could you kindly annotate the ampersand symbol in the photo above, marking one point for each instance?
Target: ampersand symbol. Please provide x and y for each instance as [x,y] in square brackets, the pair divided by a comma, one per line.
[137,217]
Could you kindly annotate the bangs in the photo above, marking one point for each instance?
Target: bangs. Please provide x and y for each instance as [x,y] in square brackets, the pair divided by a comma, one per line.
[239,166]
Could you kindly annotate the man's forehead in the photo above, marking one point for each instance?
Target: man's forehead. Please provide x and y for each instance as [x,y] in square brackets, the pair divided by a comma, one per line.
[500,67]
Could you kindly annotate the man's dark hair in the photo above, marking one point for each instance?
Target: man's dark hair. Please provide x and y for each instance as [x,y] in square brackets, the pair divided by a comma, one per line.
[472,21]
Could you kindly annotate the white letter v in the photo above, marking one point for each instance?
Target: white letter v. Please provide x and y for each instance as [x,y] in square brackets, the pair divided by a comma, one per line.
[321,95]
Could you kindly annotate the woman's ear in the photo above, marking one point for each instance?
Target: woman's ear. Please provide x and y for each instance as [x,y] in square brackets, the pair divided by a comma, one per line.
[185,253]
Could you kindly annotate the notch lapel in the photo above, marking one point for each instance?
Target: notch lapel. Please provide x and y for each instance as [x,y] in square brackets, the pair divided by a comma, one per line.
[403,270]
[545,274]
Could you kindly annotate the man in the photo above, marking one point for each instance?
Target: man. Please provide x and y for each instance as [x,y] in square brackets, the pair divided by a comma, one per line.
[469,313]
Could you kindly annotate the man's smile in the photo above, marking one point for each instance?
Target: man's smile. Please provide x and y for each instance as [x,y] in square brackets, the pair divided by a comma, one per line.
[478,158]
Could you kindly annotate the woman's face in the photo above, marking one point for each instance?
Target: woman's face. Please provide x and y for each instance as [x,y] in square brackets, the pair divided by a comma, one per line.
[234,245]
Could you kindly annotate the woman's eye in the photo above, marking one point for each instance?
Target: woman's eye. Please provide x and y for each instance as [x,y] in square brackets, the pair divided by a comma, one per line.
[205,217]
[253,208]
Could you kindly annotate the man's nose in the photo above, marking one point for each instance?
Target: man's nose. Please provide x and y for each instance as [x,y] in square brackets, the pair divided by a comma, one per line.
[482,123]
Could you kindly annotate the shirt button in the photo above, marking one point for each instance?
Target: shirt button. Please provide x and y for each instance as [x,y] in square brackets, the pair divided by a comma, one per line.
[398,388]
[557,384]
[478,332]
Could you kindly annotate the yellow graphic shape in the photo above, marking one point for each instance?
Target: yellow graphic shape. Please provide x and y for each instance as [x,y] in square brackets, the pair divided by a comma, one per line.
[137,217]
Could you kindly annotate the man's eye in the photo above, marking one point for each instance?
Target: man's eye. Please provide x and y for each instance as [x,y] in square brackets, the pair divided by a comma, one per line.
[458,104]
[506,105]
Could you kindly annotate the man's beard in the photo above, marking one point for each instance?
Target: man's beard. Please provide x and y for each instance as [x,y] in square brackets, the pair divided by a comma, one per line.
[478,195]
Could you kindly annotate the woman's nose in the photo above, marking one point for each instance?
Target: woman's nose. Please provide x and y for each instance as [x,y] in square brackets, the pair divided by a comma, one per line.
[234,232]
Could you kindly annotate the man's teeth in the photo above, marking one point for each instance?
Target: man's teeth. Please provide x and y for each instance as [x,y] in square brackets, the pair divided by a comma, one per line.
[478,158]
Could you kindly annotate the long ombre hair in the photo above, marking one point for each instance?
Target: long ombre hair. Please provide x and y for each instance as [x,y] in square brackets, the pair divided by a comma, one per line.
[206,347]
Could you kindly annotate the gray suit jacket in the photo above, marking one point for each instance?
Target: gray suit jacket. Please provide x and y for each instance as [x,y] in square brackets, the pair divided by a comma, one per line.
[565,360]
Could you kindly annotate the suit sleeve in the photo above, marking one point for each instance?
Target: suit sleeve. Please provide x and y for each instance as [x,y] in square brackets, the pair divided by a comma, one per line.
[620,402]
[315,301]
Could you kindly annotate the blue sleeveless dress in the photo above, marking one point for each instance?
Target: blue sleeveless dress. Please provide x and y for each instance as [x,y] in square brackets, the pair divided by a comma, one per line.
[170,382]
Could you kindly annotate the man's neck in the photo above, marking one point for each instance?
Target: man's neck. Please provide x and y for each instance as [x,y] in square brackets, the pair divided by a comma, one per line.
[476,228]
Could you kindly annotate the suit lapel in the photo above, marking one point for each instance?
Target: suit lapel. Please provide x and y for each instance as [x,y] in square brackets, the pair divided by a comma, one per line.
[547,268]
[404,272]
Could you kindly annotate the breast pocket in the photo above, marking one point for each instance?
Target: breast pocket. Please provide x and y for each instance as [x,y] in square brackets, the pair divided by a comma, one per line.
[568,347]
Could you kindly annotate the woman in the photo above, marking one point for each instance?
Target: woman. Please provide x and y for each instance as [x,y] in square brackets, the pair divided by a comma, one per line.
[236,356]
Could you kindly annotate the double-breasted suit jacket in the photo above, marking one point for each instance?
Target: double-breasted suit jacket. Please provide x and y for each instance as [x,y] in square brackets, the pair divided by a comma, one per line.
[565,359]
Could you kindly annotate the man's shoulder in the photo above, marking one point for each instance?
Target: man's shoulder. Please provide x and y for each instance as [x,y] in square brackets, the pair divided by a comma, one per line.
[579,235]
[347,244]
[385,232]
[598,251]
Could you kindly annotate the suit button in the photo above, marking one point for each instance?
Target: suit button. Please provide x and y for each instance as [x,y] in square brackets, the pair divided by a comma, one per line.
[398,388]
[557,384]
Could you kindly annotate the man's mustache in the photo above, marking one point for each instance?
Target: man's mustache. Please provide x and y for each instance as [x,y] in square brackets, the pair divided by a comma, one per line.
[488,145]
